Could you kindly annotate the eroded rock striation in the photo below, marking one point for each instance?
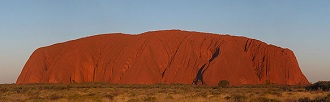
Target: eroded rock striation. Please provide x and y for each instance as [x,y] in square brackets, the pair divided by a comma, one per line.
[167,56]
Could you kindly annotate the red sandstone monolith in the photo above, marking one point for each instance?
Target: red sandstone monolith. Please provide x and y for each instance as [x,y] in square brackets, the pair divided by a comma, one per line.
[170,56]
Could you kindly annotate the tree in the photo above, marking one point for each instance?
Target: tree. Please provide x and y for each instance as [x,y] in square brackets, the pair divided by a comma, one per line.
[320,85]
[223,83]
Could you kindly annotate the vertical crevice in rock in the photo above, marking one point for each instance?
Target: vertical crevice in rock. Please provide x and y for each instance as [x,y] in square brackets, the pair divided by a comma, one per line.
[72,80]
[215,54]
[199,76]
[97,62]
[170,63]
[94,73]
[247,45]
[164,73]
[259,68]
[267,67]
[45,61]
[168,55]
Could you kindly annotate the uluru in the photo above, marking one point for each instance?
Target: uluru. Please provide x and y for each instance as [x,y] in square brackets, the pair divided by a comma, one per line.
[164,56]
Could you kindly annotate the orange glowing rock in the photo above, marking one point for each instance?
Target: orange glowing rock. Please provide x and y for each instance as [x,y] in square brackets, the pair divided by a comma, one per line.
[169,56]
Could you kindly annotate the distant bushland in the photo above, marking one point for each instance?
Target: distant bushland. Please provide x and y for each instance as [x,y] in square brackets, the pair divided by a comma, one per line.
[86,92]
[320,85]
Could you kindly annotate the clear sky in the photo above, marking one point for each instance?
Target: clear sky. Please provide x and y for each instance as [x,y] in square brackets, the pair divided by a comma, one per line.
[301,25]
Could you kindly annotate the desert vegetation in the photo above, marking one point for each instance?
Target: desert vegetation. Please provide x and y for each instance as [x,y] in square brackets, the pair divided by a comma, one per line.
[103,92]
[321,85]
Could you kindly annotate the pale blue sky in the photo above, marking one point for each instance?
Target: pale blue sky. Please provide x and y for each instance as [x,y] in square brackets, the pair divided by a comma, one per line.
[301,25]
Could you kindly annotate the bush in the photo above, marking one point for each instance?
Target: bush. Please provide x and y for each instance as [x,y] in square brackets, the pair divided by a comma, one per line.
[305,99]
[223,83]
[110,97]
[321,85]
[285,88]
[150,99]
[322,99]
[227,97]
[54,97]
[238,98]
[4,89]
[264,99]
[201,94]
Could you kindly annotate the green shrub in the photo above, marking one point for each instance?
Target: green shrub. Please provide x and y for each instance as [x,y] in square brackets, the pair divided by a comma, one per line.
[322,99]
[4,89]
[227,97]
[285,88]
[150,99]
[238,98]
[223,83]
[305,99]
[273,92]
[264,99]
[215,92]
[110,97]
[321,85]
[54,97]
[201,94]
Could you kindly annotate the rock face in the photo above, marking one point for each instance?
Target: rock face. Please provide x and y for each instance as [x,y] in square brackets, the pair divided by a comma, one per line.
[169,56]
